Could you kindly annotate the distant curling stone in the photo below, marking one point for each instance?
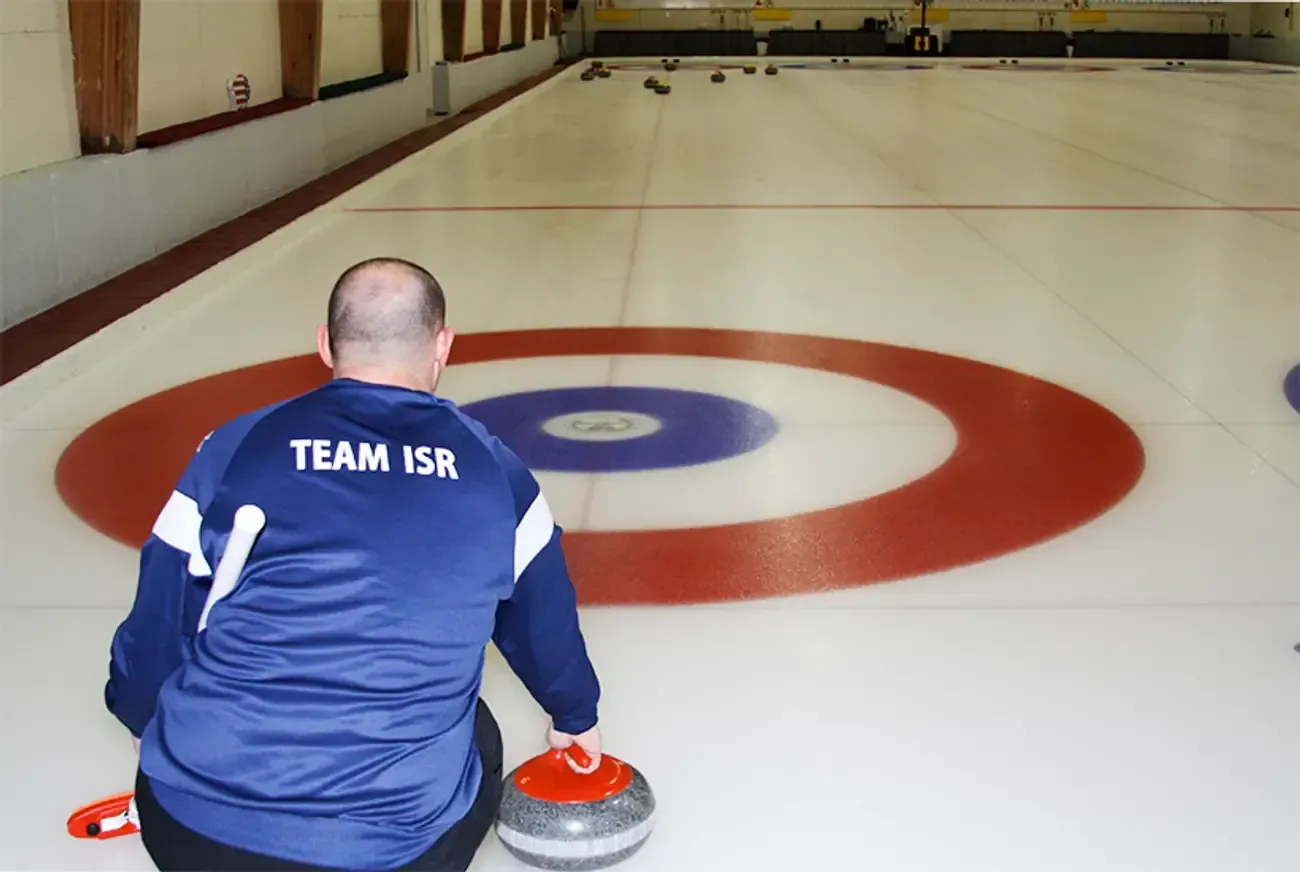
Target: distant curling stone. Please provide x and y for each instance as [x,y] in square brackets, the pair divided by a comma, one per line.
[587,75]
[554,818]
[670,66]
[650,83]
[771,70]
[718,77]
[603,73]
[663,89]
[749,71]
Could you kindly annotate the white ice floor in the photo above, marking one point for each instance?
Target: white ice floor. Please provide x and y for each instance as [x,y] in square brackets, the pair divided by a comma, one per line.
[1125,698]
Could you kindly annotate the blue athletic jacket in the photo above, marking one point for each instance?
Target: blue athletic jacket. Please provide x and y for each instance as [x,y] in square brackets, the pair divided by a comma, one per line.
[326,712]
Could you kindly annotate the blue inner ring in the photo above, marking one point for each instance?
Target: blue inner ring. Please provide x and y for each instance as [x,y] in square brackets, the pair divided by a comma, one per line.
[1222,71]
[1291,388]
[694,428]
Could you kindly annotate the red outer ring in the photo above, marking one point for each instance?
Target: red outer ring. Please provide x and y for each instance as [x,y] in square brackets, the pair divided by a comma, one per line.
[1033,461]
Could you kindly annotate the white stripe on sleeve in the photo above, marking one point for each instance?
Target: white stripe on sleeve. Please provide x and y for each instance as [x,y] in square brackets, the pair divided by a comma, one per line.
[532,534]
[178,525]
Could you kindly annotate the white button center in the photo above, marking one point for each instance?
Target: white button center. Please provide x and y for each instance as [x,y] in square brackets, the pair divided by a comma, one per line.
[601,426]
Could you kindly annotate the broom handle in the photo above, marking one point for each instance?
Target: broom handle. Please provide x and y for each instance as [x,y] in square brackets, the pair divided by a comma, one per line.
[249,521]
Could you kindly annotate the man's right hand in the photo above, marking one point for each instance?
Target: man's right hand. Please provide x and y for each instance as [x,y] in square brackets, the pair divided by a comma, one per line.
[588,741]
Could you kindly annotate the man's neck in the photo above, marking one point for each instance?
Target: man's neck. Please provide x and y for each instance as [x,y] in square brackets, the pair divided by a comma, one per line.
[385,376]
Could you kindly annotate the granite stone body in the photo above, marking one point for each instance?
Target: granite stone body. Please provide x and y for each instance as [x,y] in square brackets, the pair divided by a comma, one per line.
[576,836]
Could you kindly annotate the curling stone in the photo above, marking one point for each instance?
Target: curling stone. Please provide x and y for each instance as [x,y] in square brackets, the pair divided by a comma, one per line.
[554,818]
[749,71]
[1015,61]
[770,69]
[670,66]
[650,83]
[587,75]
[663,89]
[603,73]
[718,77]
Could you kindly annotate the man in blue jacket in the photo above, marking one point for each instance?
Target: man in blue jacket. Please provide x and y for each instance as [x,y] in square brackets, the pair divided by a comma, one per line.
[327,716]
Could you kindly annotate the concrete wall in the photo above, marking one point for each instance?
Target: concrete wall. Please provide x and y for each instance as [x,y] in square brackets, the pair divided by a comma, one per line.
[1275,19]
[190,50]
[947,16]
[38,110]
[1269,51]
[473,80]
[350,40]
[69,226]
[1274,35]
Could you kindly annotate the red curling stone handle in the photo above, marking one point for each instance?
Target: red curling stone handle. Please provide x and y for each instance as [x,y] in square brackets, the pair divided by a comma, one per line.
[552,776]
[581,757]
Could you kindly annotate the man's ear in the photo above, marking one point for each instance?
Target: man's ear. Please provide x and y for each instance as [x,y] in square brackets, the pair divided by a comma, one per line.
[323,345]
[443,345]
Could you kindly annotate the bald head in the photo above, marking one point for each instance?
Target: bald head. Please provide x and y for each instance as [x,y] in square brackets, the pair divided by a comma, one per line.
[387,325]
[384,311]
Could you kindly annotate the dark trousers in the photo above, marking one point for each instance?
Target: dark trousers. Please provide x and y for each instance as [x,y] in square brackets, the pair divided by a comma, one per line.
[174,847]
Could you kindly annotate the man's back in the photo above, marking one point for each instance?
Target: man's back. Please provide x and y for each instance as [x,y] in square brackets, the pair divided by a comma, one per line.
[333,691]
[326,711]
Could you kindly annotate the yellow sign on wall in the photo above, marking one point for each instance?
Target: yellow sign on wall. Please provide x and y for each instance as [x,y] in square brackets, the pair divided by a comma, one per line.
[1088,16]
[932,16]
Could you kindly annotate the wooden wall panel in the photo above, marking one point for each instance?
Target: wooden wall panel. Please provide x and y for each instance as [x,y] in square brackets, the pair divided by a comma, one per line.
[106,71]
[519,21]
[395,17]
[491,26]
[395,29]
[453,30]
[539,18]
[300,47]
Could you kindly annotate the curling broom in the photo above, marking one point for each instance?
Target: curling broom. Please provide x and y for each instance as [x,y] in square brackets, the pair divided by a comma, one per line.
[115,816]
